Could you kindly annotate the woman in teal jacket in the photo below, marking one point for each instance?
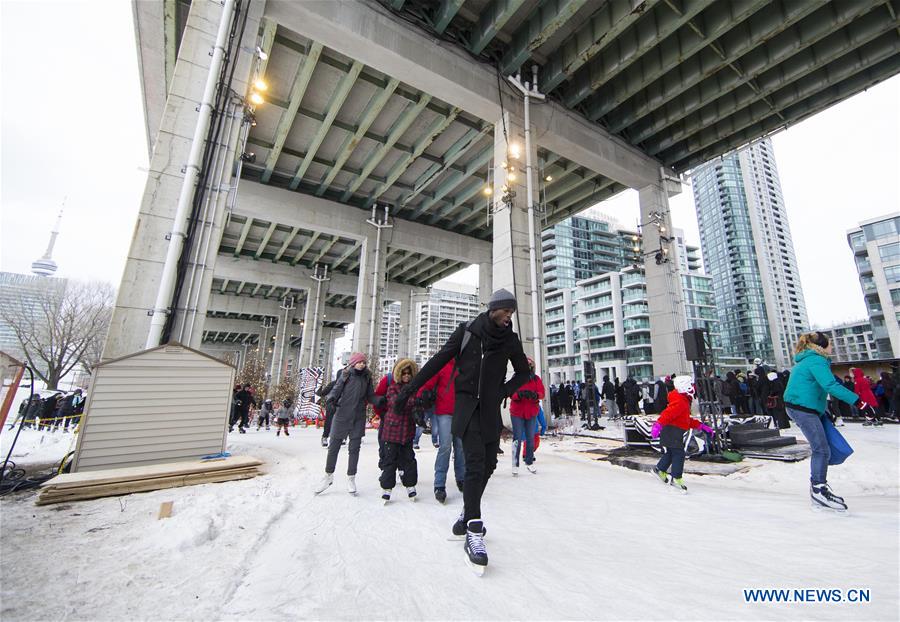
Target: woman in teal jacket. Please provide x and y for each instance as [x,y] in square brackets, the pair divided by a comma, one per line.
[805,397]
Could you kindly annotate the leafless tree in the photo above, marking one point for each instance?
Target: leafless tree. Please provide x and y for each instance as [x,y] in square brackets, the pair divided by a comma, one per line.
[62,325]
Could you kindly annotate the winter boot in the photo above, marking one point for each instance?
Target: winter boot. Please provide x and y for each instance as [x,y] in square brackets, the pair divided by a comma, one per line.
[351,484]
[678,483]
[324,441]
[286,433]
[475,549]
[411,492]
[386,494]
[662,475]
[327,481]
[823,497]
[440,494]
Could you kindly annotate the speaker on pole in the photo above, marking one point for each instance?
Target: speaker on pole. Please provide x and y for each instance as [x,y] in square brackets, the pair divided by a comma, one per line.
[589,370]
[694,344]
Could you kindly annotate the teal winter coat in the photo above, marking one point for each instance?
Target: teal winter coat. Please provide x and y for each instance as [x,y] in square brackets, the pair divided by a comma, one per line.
[811,380]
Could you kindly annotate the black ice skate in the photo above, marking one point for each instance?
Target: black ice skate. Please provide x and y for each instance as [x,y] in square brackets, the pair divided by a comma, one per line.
[476,553]
[823,498]
[459,527]
[440,494]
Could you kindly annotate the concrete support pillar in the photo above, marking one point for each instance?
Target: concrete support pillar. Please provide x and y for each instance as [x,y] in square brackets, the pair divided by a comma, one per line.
[485,283]
[370,290]
[665,297]
[141,279]
[313,320]
[328,363]
[511,268]
[282,332]
[403,338]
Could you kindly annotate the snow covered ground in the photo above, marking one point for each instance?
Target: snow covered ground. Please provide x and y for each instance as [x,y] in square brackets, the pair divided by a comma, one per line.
[582,539]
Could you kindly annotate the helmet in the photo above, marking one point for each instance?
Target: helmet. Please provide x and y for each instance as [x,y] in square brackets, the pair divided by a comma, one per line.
[684,384]
[757,361]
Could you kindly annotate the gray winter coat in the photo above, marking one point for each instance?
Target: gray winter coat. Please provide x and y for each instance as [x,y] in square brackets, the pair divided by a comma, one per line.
[350,394]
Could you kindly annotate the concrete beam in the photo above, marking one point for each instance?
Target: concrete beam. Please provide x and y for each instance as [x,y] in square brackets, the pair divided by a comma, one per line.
[285,276]
[366,33]
[272,204]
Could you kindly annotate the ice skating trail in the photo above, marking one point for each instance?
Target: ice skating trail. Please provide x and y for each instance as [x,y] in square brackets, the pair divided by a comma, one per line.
[581,539]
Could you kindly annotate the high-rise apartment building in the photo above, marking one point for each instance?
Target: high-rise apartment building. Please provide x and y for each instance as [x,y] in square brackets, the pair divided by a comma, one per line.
[852,341]
[749,253]
[437,316]
[876,251]
[390,336]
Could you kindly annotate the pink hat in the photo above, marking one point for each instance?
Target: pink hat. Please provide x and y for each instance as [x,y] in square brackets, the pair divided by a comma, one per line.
[357,357]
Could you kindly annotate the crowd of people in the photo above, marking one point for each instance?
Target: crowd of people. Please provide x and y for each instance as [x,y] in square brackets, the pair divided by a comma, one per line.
[56,411]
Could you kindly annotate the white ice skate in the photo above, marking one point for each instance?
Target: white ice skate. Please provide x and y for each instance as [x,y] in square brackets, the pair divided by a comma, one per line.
[531,468]
[411,492]
[515,470]
[823,498]
[386,495]
[351,484]
[327,481]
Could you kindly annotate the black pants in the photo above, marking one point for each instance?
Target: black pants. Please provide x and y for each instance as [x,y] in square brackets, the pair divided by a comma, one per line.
[674,457]
[481,460]
[240,415]
[263,418]
[329,416]
[396,456]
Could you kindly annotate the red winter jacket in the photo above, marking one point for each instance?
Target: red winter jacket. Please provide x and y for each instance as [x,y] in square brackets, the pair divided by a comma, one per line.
[678,412]
[527,409]
[863,388]
[442,384]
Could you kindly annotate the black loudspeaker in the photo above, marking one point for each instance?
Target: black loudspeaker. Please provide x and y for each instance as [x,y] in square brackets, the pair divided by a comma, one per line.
[588,370]
[694,344]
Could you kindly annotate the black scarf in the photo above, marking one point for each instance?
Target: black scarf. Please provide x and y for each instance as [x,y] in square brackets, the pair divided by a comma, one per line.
[492,337]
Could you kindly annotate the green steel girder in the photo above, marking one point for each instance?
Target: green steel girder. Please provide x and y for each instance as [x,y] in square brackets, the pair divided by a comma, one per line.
[756,62]
[832,59]
[333,107]
[352,249]
[797,111]
[697,44]
[567,184]
[302,252]
[583,192]
[491,21]
[284,245]
[224,286]
[651,28]
[245,231]
[453,180]
[437,126]
[411,267]
[454,153]
[402,256]
[326,248]
[445,14]
[240,286]
[458,201]
[301,82]
[265,240]
[406,118]
[255,290]
[397,4]
[600,30]
[456,267]
[268,29]
[850,71]
[603,192]
[549,17]
[373,109]
[170,39]
[420,269]
[430,271]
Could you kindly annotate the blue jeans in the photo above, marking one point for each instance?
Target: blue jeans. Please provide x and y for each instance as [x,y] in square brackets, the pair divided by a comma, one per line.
[432,418]
[442,460]
[418,435]
[523,430]
[811,426]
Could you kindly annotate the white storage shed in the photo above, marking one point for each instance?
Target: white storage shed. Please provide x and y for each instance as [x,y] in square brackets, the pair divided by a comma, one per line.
[165,404]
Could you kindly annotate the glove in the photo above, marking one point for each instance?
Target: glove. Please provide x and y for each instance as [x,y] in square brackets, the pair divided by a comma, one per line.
[419,418]
[402,398]
[657,428]
[707,429]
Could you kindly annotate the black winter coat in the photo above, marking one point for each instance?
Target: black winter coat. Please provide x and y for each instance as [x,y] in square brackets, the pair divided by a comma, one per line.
[478,387]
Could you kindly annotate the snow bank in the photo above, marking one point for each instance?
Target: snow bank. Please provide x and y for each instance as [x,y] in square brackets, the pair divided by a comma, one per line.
[582,539]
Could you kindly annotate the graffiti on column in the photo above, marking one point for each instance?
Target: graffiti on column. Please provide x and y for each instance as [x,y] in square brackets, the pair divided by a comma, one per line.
[307,400]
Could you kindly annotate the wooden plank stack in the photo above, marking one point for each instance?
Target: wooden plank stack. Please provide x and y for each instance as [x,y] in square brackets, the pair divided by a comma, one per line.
[124,481]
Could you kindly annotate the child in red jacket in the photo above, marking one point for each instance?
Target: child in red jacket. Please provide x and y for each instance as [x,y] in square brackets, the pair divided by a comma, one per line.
[670,427]
[523,411]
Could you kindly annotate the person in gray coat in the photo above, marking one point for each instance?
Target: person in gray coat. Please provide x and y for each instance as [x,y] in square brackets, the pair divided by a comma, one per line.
[349,396]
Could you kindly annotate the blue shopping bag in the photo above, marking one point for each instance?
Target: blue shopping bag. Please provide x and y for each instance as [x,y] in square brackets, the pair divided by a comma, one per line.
[840,448]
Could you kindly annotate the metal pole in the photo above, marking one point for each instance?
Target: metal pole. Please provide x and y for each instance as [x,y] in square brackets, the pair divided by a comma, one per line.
[378,227]
[188,186]
[314,340]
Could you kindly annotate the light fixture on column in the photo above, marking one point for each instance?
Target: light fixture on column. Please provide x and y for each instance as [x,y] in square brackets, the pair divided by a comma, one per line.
[256,99]
[261,54]
[260,85]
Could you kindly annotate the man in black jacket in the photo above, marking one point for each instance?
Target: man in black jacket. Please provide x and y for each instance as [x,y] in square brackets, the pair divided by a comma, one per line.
[483,348]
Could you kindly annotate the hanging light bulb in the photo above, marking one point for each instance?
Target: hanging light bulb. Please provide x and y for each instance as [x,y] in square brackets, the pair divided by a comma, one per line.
[260,85]
[514,150]
[487,191]
[256,98]
[548,178]
[512,176]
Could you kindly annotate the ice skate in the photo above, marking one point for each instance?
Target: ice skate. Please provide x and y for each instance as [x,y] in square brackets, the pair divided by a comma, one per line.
[531,468]
[386,495]
[440,494]
[869,422]
[459,528]
[824,499]
[411,492]
[324,441]
[278,433]
[327,481]
[476,553]
[678,484]
[662,475]
[515,470]
[839,422]
[351,484]
[878,422]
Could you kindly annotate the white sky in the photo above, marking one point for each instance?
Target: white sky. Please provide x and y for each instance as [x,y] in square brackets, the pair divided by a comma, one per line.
[73,129]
